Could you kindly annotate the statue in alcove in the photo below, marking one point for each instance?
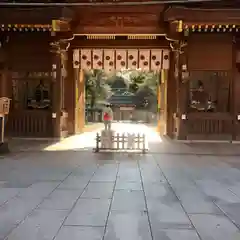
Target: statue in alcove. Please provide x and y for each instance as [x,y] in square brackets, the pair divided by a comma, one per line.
[41,97]
[200,99]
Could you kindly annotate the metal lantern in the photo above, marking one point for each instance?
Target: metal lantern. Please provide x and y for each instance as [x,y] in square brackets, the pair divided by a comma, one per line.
[4,105]
[4,110]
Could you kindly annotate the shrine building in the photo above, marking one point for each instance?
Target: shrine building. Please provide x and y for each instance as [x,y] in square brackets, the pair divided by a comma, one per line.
[194,45]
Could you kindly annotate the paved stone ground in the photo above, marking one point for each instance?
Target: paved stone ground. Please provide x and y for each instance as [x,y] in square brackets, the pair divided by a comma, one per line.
[73,194]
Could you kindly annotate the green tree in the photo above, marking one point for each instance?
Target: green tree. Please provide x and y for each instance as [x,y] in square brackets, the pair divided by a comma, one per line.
[136,79]
[96,87]
[144,86]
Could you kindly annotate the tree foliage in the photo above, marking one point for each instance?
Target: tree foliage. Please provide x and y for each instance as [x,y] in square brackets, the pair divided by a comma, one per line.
[100,86]
[96,87]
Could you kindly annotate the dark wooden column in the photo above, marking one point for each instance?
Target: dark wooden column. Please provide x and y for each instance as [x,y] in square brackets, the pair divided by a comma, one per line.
[4,82]
[70,92]
[60,87]
[4,70]
[181,95]
[56,90]
[171,98]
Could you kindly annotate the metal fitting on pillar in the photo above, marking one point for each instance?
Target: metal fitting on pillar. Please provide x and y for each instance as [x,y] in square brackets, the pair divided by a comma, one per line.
[54,71]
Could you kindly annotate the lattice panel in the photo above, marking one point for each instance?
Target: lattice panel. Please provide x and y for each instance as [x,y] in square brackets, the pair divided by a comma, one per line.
[156,59]
[144,60]
[97,57]
[121,59]
[165,59]
[86,59]
[109,60]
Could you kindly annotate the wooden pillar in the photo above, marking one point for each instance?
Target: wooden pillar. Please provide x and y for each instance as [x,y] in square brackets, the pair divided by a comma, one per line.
[70,93]
[162,102]
[79,100]
[4,83]
[56,94]
[3,72]
[182,96]
[159,103]
[171,98]
[179,97]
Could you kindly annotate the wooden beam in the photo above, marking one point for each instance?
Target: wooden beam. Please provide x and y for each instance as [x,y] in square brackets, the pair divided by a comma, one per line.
[199,15]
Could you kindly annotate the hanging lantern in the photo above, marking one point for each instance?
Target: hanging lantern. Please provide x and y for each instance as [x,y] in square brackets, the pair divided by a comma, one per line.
[180,26]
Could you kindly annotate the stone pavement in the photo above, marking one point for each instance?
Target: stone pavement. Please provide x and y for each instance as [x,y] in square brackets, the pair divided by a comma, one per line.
[157,144]
[81,195]
[175,192]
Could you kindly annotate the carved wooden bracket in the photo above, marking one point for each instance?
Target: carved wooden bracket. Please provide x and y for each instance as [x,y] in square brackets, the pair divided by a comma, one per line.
[178,46]
[60,46]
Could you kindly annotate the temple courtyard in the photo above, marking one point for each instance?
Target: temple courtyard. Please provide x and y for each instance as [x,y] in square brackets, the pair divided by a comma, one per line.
[177,191]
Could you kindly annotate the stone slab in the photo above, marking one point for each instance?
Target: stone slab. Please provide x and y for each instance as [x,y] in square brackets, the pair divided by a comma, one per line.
[124,200]
[217,191]
[80,233]
[15,210]
[84,171]
[89,212]
[130,175]
[40,225]
[151,174]
[194,201]
[167,215]
[5,230]
[214,227]
[60,200]
[159,191]
[7,193]
[75,182]
[104,177]
[128,226]
[98,190]
[175,234]
[38,190]
[130,186]
[232,210]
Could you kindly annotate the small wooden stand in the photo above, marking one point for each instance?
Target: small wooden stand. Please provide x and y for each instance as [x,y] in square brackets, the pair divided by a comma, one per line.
[109,141]
[4,110]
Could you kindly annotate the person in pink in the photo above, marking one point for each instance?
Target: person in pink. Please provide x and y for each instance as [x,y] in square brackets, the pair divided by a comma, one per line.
[107,117]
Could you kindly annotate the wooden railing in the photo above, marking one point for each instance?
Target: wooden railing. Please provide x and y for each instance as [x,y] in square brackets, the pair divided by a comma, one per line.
[29,123]
[209,126]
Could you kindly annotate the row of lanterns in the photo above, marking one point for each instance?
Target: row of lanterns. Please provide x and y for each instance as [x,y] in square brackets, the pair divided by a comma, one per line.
[26,27]
[211,28]
[181,27]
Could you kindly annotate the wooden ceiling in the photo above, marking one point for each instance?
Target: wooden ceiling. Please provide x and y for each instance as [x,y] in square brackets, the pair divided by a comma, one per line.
[149,19]
[127,2]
